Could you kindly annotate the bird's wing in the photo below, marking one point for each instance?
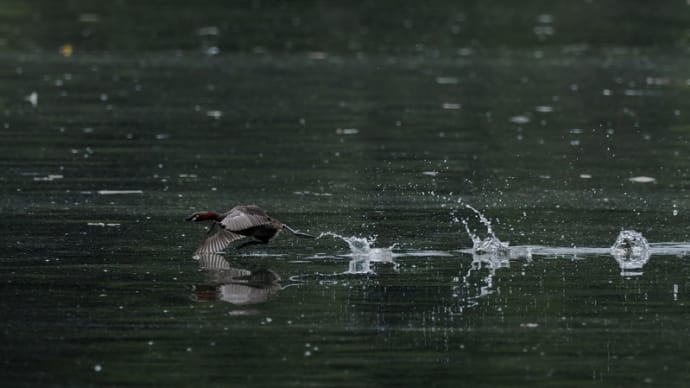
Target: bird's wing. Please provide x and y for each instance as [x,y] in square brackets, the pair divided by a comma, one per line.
[237,219]
[217,239]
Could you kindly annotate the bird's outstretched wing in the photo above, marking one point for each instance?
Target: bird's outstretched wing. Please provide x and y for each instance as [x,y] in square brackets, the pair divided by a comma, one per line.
[217,239]
[245,217]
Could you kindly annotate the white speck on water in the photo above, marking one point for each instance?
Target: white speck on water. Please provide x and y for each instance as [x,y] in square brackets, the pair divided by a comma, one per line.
[216,114]
[658,81]
[430,173]
[97,368]
[347,131]
[543,109]
[47,178]
[312,193]
[585,176]
[576,131]
[446,80]
[451,106]
[606,92]
[189,349]
[212,50]
[574,143]
[529,325]
[119,192]
[32,98]
[162,136]
[642,179]
[150,343]
[104,97]
[519,119]
[633,92]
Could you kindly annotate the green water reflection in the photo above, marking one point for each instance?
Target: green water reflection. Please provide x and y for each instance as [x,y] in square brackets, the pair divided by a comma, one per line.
[119,119]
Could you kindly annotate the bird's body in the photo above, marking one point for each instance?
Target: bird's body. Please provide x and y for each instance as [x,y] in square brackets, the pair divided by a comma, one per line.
[245,221]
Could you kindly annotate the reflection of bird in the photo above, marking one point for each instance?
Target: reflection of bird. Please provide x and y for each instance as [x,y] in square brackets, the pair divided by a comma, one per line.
[239,222]
[234,285]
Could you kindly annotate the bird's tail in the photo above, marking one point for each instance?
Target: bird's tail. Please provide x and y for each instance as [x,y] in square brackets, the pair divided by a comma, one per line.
[297,232]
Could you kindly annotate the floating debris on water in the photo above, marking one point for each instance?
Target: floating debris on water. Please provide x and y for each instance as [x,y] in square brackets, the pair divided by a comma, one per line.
[66,50]
[430,173]
[543,109]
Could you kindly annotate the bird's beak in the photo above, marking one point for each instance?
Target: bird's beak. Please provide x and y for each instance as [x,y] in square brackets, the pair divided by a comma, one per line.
[191,218]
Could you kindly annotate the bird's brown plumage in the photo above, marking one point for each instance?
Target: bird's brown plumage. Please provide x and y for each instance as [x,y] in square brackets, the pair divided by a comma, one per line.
[238,223]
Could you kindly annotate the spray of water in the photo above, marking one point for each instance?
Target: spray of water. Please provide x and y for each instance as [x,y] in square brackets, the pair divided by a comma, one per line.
[631,251]
[357,245]
[489,245]
[362,252]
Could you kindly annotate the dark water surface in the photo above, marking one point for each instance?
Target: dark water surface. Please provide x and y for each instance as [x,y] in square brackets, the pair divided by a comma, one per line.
[562,122]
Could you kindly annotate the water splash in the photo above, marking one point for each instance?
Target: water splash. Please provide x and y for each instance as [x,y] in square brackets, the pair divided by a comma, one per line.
[631,251]
[362,252]
[357,245]
[489,245]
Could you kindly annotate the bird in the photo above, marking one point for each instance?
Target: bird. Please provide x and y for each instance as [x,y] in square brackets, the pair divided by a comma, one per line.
[244,221]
